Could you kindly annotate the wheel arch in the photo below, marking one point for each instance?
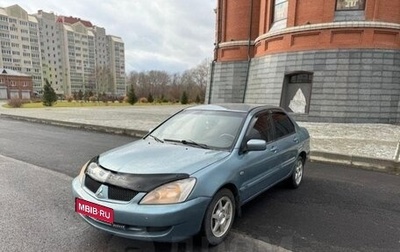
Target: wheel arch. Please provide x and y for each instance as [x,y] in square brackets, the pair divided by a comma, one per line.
[232,187]
[303,156]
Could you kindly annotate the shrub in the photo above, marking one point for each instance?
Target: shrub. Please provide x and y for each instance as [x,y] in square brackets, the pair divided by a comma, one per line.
[61,97]
[69,98]
[104,99]
[93,98]
[121,99]
[15,103]
[143,100]
[36,100]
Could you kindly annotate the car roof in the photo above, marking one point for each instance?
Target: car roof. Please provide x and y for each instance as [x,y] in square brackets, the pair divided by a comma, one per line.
[235,107]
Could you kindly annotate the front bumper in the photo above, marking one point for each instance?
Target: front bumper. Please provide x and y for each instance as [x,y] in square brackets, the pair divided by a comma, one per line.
[160,223]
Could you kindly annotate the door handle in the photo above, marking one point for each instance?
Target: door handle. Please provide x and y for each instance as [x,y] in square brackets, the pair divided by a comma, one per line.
[274,149]
[296,140]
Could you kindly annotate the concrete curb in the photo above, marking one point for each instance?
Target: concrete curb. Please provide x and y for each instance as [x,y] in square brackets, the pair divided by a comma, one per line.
[105,129]
[375,164]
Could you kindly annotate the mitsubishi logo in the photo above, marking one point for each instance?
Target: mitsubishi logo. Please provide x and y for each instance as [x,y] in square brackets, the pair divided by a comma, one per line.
[99,193]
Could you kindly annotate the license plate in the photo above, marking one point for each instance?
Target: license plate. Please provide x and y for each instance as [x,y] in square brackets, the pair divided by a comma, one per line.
[94,211]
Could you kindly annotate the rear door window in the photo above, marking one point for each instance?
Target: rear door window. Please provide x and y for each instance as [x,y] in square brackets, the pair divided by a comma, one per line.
[282,124]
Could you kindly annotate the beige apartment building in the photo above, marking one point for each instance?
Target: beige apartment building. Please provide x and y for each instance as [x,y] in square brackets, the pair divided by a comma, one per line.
[20,48]
[72,54]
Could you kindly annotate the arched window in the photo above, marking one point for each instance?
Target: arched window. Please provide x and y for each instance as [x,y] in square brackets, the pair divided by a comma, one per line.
[279,14]
[280,10]
[296,92]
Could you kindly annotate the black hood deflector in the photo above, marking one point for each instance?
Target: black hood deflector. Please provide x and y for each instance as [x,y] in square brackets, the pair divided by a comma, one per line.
[137,182]
[142,182]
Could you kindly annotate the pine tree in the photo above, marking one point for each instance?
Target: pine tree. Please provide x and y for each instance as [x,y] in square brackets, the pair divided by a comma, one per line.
[150,98]
[80,95]
[132,99]
[49,95]
[184,98]
[198,100]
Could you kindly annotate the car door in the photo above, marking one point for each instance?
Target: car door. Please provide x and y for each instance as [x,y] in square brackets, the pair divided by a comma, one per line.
[258,167]
[286,142]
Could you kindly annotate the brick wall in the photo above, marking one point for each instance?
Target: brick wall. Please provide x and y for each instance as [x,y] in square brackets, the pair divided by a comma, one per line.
[354,58]
[320,27]
[20,86]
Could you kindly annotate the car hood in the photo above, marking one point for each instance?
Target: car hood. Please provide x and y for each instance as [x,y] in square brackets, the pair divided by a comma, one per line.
[151,157]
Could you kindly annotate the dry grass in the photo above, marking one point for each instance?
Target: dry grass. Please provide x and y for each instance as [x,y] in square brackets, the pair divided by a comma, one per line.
[78,104]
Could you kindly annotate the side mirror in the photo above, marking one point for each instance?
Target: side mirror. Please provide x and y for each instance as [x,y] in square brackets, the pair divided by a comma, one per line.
[256,145]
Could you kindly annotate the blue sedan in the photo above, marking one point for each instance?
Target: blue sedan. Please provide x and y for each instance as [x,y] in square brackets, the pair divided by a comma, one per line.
[192,173]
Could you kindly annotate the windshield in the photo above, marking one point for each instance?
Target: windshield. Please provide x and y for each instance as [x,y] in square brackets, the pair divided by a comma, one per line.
[206,129]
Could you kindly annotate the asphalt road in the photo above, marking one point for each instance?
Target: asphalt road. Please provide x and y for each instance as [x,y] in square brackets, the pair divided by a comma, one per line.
[336,208]
[61,149]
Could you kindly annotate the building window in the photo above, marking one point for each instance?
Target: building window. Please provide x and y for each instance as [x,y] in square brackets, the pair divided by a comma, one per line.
[280,10]
[350,10]
[300,78]
[296,93]
[279,14]
[343,5]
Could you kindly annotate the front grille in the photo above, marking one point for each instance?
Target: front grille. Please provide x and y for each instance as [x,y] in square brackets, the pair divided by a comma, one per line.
[114,192]
[118,193]
[92,184]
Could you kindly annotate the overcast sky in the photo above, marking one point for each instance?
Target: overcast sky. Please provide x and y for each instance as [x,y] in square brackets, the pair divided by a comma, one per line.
[169,35]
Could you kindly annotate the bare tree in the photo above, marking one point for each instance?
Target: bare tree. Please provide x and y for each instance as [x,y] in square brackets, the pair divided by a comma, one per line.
[201,76]
[164,86]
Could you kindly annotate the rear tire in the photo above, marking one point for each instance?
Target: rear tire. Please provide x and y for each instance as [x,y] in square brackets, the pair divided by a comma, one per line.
[219,217]
[296,178]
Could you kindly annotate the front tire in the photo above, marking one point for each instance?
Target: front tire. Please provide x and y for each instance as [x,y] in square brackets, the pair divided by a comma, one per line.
[219,217]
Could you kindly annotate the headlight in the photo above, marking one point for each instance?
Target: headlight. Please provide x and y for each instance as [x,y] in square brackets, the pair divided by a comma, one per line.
[97,173]
[82,172]
[90,165]
[174,192]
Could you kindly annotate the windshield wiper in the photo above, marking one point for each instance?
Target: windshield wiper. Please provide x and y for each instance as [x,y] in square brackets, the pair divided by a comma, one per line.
[188,142]
[157,139]
[204,146]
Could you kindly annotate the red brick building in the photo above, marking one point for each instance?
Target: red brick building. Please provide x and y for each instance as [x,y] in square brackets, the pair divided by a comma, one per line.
[14,84]
[332,60]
